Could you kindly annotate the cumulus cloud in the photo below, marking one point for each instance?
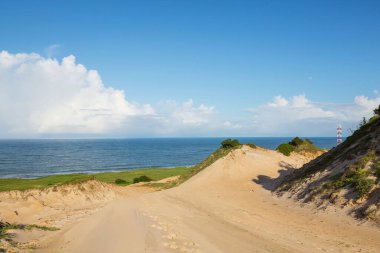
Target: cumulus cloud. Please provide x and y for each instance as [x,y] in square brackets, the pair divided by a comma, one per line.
[45,96]
[298,115]
[186,113]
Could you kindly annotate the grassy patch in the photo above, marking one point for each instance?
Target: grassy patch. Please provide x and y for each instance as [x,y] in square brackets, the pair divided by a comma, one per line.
[7,184]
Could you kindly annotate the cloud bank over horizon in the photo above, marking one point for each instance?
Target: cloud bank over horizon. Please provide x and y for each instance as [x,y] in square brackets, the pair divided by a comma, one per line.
[44,97]
[303,116]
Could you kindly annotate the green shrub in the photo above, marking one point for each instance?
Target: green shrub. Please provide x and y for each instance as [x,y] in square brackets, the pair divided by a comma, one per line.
[142,178]
[120,181]
[362,185]
[285,148]
[228,143]
[296,141]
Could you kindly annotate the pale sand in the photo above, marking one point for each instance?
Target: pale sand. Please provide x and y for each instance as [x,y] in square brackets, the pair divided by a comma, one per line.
[219,210]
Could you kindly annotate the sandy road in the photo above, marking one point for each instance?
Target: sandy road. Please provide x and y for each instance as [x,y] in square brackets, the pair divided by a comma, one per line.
[221,209]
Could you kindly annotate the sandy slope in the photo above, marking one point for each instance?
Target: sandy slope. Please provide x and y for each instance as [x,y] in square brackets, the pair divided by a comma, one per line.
[219,210]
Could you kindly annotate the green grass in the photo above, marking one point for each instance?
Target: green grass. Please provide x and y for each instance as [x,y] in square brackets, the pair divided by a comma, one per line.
[7,184]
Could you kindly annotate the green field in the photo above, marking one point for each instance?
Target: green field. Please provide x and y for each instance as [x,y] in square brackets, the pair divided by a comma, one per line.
[7,184]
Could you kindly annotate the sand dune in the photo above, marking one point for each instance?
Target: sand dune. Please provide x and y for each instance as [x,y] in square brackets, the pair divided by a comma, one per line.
[225,208]
[228,207]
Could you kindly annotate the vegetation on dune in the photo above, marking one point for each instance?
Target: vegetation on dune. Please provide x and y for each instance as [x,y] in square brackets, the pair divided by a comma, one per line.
[5,226]
[125,177]
[358,175]
[297,144]
[228,143]
[356,144]
[285,148]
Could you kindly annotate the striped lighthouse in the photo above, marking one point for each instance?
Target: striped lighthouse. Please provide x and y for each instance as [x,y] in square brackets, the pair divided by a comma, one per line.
[339,134]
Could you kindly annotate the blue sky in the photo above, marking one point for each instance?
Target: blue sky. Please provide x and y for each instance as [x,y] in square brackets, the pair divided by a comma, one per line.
[232,57]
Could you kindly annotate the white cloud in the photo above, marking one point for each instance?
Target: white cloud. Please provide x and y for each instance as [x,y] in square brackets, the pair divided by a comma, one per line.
[278,101]
[188,114]
[46,97]
[231,125]
[300,116]
[41,96]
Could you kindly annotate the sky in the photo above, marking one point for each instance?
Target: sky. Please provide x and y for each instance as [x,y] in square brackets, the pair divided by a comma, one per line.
[181,68]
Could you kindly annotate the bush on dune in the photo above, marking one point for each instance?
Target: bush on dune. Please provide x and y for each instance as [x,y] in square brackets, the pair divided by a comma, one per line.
[228,143]
[120,181]
[142,178]
[297,144]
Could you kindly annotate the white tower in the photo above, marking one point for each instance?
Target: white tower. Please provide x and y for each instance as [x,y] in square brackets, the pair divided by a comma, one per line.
[339,134]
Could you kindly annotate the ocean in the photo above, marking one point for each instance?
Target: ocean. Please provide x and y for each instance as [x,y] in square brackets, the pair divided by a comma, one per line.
[36,158]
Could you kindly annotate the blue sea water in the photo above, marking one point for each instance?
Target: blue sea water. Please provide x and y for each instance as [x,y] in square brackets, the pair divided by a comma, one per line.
[36,158]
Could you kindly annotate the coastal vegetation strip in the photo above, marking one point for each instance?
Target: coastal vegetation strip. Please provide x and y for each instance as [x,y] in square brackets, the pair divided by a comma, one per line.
[123,178]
